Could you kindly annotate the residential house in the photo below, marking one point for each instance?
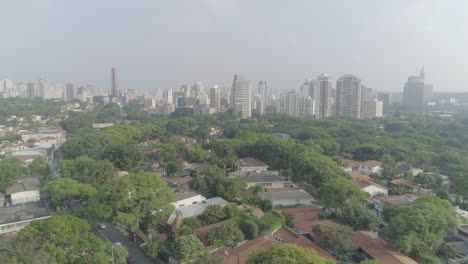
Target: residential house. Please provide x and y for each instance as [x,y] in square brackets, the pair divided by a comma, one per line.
[268,179]
[250,164]
[303,213]
[459,242]
[179,181]
[29,155]
[195,209]
[187,167]
[288,198]
[353,165]
[202,232]
[409,186]
[23,191]
[371,167]
[14,218]
[405,168]
[187,198]
[372,188]
[370,246]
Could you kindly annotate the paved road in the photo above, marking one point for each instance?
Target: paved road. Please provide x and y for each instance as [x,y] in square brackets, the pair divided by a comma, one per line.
[113,234]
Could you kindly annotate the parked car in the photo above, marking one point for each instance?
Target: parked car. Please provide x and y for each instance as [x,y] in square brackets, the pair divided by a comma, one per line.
[101,226]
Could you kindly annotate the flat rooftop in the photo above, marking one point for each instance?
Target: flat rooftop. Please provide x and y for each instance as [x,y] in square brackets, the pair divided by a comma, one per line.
[29,211]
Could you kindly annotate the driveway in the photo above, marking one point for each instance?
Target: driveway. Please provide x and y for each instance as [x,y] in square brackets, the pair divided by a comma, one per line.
[114,234]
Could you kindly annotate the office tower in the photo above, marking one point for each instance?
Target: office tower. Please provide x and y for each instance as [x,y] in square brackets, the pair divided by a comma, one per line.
[169,97]
[323,90]
[416,93]
[262,90]
[215,99]
[241,97]
[309,106]
[348,96]
[372,109]
[114,83]
[70,92]
[30,90]
[196,90]
[42,88]
[260,106]
[385,98]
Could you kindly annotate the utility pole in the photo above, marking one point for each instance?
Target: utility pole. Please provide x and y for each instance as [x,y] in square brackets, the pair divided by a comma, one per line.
[112,254]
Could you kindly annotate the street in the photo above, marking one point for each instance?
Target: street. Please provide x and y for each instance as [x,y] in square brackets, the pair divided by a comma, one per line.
[113,234]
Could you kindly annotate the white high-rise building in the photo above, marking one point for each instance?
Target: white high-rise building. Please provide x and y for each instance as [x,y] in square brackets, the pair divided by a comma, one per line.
[348,96]
[169,97]
[241,97]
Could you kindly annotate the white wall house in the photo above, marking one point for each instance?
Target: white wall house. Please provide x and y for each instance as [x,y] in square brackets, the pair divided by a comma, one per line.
[370,167]
[372,188]
[187,198]
[24,191]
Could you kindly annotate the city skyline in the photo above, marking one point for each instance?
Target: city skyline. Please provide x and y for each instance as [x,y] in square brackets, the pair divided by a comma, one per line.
[200,44]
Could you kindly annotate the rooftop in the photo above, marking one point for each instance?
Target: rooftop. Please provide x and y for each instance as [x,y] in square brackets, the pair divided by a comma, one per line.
[371,163]
[195,209]
[24,185]
[363,184]
[24,212]
[288,195]
[250,162]
[185,195]
[257,176]
[202,232]
[405,182]
[379,249]
[240,254]
[303,214]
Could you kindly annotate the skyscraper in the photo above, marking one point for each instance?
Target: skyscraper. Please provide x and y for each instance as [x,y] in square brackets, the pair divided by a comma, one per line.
[416,93]
[215,98]
[323,88]
[372,109]
[114,83]
[70,92]
[30,90]
[263,90]
[348,96]
[241,97]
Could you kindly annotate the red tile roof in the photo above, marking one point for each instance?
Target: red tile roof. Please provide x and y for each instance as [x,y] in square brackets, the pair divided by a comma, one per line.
[371,163]
[405,182]
[240,254]
[351,163]
[202,232]
[301,214]
[363,184]
[380,249]
[307,225]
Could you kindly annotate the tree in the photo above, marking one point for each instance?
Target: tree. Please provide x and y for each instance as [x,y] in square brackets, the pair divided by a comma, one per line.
[249,228]
[228,234]
[153,248]
[39,167]
[213,214]
[337,192]
[271,221]
[188,247]
[370,261]
[209,258]
[418,228]
[88,170]
[23,251]
[288,220]
[65,189]
[124,156]
[286,253]
[133,200]
[66,239]
[334,237]
[230,189]
[192,222]
[10,169]
[357,216]
[119,252]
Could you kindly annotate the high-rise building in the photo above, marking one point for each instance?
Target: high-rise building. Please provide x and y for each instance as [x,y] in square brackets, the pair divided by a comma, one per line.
[215,99]
[416,93]
[70,92]
[372,109]
[348,96]
[114,83]
[385,98]
[169,98]
[30,90]
[262,90]
[323,91]
[241,97]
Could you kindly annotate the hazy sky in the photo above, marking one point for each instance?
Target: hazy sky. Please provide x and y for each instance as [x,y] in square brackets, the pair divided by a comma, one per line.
[163,44]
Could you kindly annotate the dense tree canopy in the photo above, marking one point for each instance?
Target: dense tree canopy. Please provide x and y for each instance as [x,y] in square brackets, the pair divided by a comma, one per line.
[286,253]
[10,169]
[418,228]
[87,170]
[64,190]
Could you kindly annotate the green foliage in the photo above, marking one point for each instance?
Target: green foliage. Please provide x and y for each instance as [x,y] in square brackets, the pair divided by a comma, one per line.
[153,248]
[231,211]
[65,189]
[213,214]
[87,170]
[108,113]
[120,252]
[288,220]
[10,136]
[133,200]
[337,192]
[212,258]
[286,253]
[188,247]
[249,228]
[228,234]
[10,169]
[39,167]
[418,228]
[271,221]
[335,237]
[230,189]
[370,261]
[357,216]
[124,156]
[66,239]
[18,251]
[21,106]
[192,222]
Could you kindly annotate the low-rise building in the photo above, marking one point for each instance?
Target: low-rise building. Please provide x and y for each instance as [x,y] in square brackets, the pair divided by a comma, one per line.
[250,164]
[288,198]
[372,188]
[408,185]
[23,191]
[14,218]
[196,209]
[371,167]
[268,179]
[187,198]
